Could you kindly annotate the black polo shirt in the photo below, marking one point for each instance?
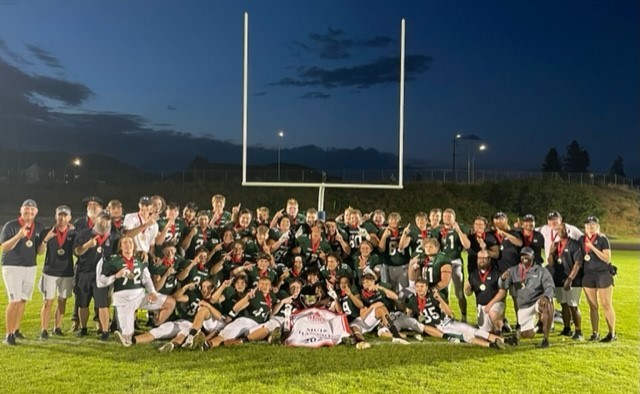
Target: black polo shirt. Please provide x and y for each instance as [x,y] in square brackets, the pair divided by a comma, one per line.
[89,260]
[490,289]
[58,259]
[21,255]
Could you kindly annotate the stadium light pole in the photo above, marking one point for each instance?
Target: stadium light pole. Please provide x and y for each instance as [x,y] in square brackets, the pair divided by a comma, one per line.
[454,140]
[481,148]
[280,135]
[75,162]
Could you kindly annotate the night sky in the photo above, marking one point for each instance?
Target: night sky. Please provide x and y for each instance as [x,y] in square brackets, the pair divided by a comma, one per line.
[139,80]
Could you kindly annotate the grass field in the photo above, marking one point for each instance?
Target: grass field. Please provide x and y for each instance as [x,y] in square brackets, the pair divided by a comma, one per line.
[68,364]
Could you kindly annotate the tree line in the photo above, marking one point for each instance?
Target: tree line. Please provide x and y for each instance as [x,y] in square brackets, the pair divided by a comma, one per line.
[576,160]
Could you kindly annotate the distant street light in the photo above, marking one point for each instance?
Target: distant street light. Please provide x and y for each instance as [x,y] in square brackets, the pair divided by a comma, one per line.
[280,135]
[75,162]
[454,140]
[481,148]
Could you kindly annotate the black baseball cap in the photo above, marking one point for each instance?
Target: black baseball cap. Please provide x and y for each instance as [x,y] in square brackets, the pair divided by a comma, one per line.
[527,251]
[554,215]
[529,217]
[592,219]
[499,215]
[144,200]
[96,199]
[29,203]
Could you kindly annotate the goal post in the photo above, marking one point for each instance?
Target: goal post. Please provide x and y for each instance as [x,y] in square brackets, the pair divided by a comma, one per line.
[321,186]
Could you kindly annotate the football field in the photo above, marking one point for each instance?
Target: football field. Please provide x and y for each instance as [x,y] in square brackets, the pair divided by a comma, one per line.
[67,364]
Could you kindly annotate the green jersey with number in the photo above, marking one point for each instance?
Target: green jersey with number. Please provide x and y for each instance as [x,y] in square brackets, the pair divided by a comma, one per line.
[129,282]
[393,256]
[260,307]
[426,310]
[174,233]
[417,237]
[431,270]
[171,283]
[450,243]
[348,307]
[187,310]
[311,251]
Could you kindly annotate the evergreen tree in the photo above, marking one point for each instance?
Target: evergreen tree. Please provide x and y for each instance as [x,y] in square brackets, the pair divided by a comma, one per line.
[577,159]
[552,161]
[616,168]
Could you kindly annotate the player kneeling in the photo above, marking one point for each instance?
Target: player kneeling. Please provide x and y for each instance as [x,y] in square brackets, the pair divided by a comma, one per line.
[130,277]
[428,312]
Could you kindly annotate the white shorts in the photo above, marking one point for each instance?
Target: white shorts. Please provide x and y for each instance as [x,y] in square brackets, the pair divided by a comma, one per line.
[239,327]
[49,285]
[368,324]
[570,297]
[462,330]
[404,322]
[484,321]
[457,278]
[527,317]
[210,325]
[19,282]
[126,303]
[170,329]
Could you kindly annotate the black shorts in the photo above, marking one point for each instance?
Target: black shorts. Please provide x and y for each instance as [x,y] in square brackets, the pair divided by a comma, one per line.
[597,280]
[86,288]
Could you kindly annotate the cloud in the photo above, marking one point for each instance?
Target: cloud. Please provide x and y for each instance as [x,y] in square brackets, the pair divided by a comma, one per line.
[172,107]
[260,94]
[44,56]
[334,44]
[315,95]
[381,71]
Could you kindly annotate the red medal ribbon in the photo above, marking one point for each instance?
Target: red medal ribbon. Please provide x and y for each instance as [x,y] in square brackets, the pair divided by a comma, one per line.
[394,232]
[167,263]
[31,229]
[523,272]
[101,240]
[483,278]
[422,301]
[527,239]
[591,240]
[204,235]
[427,261]
[128,262]
[173,230]
[117,223]
[368,294]
[315,246]
[61,236]
[268,299]
[424,234]
[499,238]
[560,246]
[444,232]
[483,235]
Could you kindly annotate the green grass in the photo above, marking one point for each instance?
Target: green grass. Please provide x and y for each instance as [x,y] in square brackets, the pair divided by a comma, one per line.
[72,365]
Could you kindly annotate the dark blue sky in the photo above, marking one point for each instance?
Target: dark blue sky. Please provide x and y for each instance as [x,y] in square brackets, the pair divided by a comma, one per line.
[524,76]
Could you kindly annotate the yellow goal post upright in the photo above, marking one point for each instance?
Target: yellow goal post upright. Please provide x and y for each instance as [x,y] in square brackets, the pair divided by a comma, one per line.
[321,185]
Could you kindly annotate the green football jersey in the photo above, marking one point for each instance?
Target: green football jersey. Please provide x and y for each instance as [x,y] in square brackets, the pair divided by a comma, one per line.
[311,252]
[417,237]
[393,256]
[187,310]
[347,305]
[129,282]
[431,270]
[450,243]
[260,307]
[426,310]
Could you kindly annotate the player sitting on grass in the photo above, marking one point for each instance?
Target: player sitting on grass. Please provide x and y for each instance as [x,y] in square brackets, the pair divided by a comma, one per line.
[437,319]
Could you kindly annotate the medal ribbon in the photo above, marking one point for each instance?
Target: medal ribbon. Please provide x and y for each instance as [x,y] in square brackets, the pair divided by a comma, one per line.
[31,229]
[422,301]
[268,299]
[117,223]
[483,278]
[101,240]
[499,238]
[394,232]
[128,262]
[591,240]
[444,232]
[560,247]
[527,239]
[315,246]
[61,236]
[167,263]
[523,272]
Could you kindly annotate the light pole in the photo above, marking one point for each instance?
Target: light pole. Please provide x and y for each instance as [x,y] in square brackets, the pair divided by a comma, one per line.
[75,162]
[280,135]
[481,148]
[453,141]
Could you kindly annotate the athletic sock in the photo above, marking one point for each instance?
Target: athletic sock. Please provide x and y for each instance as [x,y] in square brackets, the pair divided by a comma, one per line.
[193,331]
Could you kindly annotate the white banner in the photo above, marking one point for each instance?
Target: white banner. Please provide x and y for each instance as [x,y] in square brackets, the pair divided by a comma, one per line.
[316,327]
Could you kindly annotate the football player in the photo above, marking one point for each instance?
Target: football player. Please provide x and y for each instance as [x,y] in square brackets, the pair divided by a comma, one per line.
[219,217]
[394,259]
[348,302]
[454,241]
[434,266]
[415,236]
[313,248]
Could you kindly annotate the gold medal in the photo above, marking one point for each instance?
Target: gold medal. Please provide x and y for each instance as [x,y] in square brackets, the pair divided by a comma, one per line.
[130,275]
[29,243]
[60,252]
[501,247]
[559,261]
[587,258]
[522,285]
[482,287]
[99,249]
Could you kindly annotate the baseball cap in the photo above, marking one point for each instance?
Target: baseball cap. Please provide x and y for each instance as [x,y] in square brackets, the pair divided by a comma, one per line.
[63,209]
[96,199]
[145,200]
[29,203]
[528,217]
[592,219]
[528,251]
[554,215]
[499,215]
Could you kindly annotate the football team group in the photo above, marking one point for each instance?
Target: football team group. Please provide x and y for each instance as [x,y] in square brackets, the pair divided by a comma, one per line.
[214,277]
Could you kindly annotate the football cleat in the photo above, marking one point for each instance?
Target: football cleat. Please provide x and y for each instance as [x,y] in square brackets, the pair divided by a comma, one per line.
[44,335]
[104,336]
[363,345]
[399,341]
[188,341]
[198,340]
[498,344]
[566,332]
[18,334]
[58,331]
[506,328]
[10,340]
[454,340]
[577,336]
[544,344]
[274,336]
[511,340]
[125,342]
[557,317]
[167,347]
[594,337]
[418,337]
[82,332]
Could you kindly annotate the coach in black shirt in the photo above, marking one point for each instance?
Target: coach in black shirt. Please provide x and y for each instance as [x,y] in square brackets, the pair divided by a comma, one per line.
[489,296]
[20,240]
